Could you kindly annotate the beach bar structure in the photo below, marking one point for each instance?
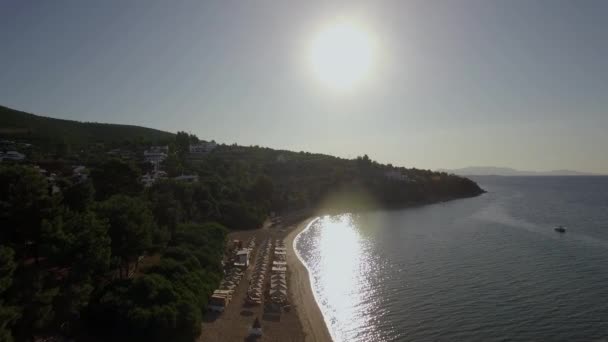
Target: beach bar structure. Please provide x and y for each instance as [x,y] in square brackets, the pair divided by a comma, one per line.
[233,273]
[242,258]
[219,300]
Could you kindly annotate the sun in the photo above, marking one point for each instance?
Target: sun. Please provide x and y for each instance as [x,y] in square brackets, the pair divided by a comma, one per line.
[342,55]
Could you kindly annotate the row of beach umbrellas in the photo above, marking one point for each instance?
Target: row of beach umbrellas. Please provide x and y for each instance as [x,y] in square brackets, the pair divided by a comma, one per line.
[256,284]
[278,279]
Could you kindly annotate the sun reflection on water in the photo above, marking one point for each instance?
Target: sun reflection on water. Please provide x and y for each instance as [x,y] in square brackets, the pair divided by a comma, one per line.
[341,268]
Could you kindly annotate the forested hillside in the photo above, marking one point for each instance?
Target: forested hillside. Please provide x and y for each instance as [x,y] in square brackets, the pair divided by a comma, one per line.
[15,124]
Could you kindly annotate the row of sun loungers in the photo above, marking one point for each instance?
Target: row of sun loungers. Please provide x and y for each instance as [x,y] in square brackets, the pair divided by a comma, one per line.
[251,244]
[222,296]
[278,279]
[256,283]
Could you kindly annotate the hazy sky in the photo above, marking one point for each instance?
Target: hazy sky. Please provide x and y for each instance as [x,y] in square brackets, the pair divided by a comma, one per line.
[518,83]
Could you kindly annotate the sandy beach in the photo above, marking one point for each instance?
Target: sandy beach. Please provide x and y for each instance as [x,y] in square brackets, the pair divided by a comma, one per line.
[303,298]
[303,323]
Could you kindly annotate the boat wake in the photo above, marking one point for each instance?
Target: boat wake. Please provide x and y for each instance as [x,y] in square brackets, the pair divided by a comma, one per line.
[497,213]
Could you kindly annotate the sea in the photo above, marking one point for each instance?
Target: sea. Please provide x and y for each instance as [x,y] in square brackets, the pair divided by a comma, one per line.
[488,268]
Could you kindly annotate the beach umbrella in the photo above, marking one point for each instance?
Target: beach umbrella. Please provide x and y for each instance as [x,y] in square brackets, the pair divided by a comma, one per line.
[256,328]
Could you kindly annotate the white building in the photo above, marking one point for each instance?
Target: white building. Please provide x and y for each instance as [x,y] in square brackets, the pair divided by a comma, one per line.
[156,154]
[12,155]
[147,180]
[79,173]
[187,178]
[154,157]
[160,149]
[242,258]
[150,178]
[203,147]
[396,175]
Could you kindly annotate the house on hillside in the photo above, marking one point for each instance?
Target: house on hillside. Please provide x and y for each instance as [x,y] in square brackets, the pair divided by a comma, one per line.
[396,175]
[11,155]
[79,173]
[154,157]
[281,158]
[152,177]
[187,178]
[156,154]
[202,147]
[159,149]
[121,153]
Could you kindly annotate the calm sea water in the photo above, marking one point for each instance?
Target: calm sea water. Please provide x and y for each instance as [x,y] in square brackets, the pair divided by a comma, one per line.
[489,268]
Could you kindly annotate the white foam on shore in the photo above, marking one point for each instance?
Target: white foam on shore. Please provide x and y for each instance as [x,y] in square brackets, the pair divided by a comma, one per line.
[310,279]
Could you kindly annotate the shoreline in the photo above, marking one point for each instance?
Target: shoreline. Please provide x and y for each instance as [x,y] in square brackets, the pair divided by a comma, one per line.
[303,298]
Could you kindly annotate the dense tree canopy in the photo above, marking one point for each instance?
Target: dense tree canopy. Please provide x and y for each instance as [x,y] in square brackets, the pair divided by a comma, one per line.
[130,227]
[114,177]
[49,133]
[167,302]
[25,203]
[8,314]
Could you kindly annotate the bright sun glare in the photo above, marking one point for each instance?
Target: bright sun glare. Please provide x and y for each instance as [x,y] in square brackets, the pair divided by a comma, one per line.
[342,55]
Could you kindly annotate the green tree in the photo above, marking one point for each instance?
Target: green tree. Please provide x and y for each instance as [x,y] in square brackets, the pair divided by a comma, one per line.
[167,210]
[35,293]
[116,177]
[182,143]
[148,308]
[7,267]
[173,165]
[204,241]
[131,226]
[8,314]
[262,189]
[62,148]
[78,196]
[79,240]
[24,204]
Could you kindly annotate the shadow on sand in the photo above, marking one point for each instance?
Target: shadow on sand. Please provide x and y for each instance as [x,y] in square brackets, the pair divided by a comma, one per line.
[246,313]
[210,316]
[271,317]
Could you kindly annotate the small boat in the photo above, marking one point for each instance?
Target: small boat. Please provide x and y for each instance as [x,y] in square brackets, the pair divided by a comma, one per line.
[560,229]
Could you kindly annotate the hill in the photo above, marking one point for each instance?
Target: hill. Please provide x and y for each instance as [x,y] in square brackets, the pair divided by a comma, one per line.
[303,179]
[505,171]
[42,130]
[300,179]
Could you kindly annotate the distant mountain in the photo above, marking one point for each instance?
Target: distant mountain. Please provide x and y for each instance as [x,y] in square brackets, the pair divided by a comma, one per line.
[505,171]
[15,124]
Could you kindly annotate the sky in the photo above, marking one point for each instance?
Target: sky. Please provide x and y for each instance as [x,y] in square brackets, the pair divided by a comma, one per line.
[519,83]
